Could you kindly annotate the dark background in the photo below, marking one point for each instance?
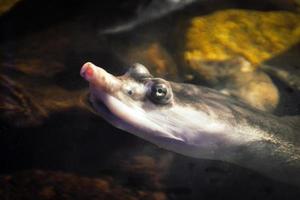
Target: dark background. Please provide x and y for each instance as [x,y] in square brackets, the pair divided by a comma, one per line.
[73,140]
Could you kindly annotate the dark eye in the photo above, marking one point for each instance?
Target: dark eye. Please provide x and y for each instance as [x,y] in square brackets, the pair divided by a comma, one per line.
[129,92]
[160,93]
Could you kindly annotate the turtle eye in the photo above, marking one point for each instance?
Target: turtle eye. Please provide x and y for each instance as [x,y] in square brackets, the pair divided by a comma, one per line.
[160,93]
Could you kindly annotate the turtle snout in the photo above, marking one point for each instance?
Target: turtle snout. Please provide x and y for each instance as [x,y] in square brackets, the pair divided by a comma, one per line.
[100,78]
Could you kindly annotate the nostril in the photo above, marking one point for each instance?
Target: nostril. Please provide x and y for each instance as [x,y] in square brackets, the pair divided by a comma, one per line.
[87,70]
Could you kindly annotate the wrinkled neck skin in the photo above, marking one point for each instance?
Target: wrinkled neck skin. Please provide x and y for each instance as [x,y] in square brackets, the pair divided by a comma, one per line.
[234,132]
[203,123]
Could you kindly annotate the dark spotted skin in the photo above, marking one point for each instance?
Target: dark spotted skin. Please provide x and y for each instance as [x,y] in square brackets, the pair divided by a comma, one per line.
[206,99]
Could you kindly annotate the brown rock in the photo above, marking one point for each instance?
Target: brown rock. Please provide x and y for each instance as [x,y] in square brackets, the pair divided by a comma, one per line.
[47,185]
[238,78]
[155,57]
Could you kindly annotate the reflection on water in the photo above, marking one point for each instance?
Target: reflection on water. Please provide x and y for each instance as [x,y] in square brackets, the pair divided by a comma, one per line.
[52,147]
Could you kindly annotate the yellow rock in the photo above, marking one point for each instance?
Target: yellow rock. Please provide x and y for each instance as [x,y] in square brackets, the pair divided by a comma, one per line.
[254,35]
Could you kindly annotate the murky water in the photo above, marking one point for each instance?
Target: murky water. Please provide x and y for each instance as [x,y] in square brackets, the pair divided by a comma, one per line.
[53,147]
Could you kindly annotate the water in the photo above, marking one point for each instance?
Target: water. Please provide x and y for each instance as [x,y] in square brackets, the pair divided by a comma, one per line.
[53,147]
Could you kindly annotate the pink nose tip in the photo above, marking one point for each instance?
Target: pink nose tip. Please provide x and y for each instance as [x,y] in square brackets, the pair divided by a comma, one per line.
[87,70]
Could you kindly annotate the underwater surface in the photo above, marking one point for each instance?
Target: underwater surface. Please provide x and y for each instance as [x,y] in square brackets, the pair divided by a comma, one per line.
[53,147]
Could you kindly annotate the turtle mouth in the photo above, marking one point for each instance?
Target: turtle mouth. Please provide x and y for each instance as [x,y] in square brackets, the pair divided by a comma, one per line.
[94,105]
[98,107]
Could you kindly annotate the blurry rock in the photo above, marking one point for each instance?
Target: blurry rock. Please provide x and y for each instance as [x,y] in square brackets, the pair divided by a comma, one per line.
[155,57]
[297,4]
[290,76]
[17,105]
[150,168]
[292,5]
[37,80]
[6,5]
[39,184]
[24,103]
[238,78]
[35,66]
[255,35]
